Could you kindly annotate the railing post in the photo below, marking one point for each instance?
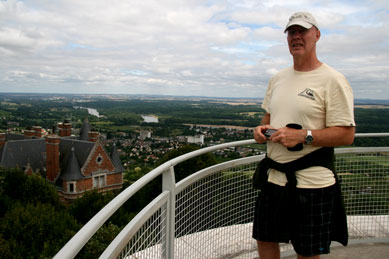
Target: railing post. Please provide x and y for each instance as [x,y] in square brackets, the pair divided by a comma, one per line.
[169,184]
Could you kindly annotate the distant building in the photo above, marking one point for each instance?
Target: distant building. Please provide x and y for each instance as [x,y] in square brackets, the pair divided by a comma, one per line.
[198,139]
[144,134]
[13,123]
[73,165]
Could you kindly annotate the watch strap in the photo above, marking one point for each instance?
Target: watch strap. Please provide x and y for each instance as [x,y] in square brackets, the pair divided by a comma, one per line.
[308,137]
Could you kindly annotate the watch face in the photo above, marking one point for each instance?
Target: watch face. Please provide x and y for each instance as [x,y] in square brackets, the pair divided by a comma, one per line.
[308,139]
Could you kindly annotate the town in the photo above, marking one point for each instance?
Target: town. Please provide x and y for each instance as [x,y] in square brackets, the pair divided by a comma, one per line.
[146,148]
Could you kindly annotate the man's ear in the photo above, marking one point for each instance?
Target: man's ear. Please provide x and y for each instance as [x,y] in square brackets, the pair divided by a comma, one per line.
[318,34]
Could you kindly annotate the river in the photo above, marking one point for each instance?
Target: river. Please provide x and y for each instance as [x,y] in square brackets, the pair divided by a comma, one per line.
[94,112]
[150,118]
[91,111]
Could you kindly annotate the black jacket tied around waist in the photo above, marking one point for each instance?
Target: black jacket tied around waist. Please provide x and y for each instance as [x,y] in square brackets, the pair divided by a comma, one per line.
[321,157]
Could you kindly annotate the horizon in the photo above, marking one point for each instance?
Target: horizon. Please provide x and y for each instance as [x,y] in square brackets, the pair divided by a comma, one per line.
[169,96]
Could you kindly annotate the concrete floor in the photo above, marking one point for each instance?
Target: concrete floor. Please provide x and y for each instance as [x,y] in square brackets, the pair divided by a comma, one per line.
[356,251]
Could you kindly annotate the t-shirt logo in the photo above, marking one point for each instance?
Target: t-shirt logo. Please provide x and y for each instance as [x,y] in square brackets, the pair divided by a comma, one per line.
[307,93]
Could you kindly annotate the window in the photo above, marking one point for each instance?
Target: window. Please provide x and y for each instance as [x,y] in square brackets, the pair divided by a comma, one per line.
[71,187]
[99,181]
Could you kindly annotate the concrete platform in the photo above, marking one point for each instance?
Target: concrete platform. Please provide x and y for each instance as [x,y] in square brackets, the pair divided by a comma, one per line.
[369,238]
[356,251]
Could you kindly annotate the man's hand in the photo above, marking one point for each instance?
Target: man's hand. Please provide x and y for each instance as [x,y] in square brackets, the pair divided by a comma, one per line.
[259,133]
[288,137]
[260,130]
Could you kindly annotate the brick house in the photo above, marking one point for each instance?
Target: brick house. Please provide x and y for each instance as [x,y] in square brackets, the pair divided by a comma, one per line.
[73,165]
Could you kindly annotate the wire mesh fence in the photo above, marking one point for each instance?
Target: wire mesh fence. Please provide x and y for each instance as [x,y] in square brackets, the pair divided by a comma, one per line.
[213,214]
[148,241]
[365,189]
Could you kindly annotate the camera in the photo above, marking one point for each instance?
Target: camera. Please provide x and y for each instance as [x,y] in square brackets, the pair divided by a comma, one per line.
[269,132]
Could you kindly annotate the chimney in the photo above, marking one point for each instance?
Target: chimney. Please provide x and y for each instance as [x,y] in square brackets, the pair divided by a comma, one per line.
[37,131]
[93,136]
[28,133]
[2,139]
[52,157]
[65,129]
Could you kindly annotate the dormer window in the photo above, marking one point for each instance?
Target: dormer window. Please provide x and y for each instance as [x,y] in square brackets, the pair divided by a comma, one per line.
[72,187]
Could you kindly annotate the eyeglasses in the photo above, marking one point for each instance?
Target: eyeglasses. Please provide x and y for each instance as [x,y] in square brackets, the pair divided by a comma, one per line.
[299,31]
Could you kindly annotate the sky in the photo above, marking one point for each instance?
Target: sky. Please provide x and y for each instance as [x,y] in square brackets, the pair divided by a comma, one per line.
[183,47]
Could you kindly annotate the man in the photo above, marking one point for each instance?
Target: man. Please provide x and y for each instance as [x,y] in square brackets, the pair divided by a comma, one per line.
[314,96]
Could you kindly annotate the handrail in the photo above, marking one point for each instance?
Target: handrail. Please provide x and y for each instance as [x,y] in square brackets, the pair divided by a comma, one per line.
[74,245]
[122,238]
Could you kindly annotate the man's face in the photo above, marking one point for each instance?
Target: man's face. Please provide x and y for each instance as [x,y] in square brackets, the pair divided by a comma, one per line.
[301,41]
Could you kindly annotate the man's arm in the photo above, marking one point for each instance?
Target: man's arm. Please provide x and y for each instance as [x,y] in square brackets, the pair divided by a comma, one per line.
[288,137]
[328,137]
[265,119]
[333,136]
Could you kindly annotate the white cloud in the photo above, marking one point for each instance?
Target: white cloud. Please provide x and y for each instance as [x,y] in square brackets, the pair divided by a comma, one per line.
[214,48]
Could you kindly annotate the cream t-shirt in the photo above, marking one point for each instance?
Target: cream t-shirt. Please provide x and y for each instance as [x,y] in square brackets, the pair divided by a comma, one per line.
[316,99]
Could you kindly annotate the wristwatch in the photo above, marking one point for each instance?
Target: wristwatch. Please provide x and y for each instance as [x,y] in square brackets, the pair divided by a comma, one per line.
[308,137]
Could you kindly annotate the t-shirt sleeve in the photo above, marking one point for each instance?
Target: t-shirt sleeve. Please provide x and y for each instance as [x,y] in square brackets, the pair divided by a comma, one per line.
[339,103]
[266,100]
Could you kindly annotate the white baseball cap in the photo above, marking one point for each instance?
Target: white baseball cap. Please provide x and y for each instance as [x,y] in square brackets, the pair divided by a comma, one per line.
[303,19]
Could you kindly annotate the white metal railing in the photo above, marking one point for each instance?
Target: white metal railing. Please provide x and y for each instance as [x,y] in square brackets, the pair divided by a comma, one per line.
[208,214]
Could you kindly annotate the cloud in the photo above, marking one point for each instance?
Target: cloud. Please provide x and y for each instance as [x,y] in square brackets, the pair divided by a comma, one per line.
[192,47]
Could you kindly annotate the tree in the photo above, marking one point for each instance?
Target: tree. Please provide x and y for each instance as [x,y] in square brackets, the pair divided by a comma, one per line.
[190,166]
[97,244]
[33,223]
[87,206]
[29,189]
[35,231]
